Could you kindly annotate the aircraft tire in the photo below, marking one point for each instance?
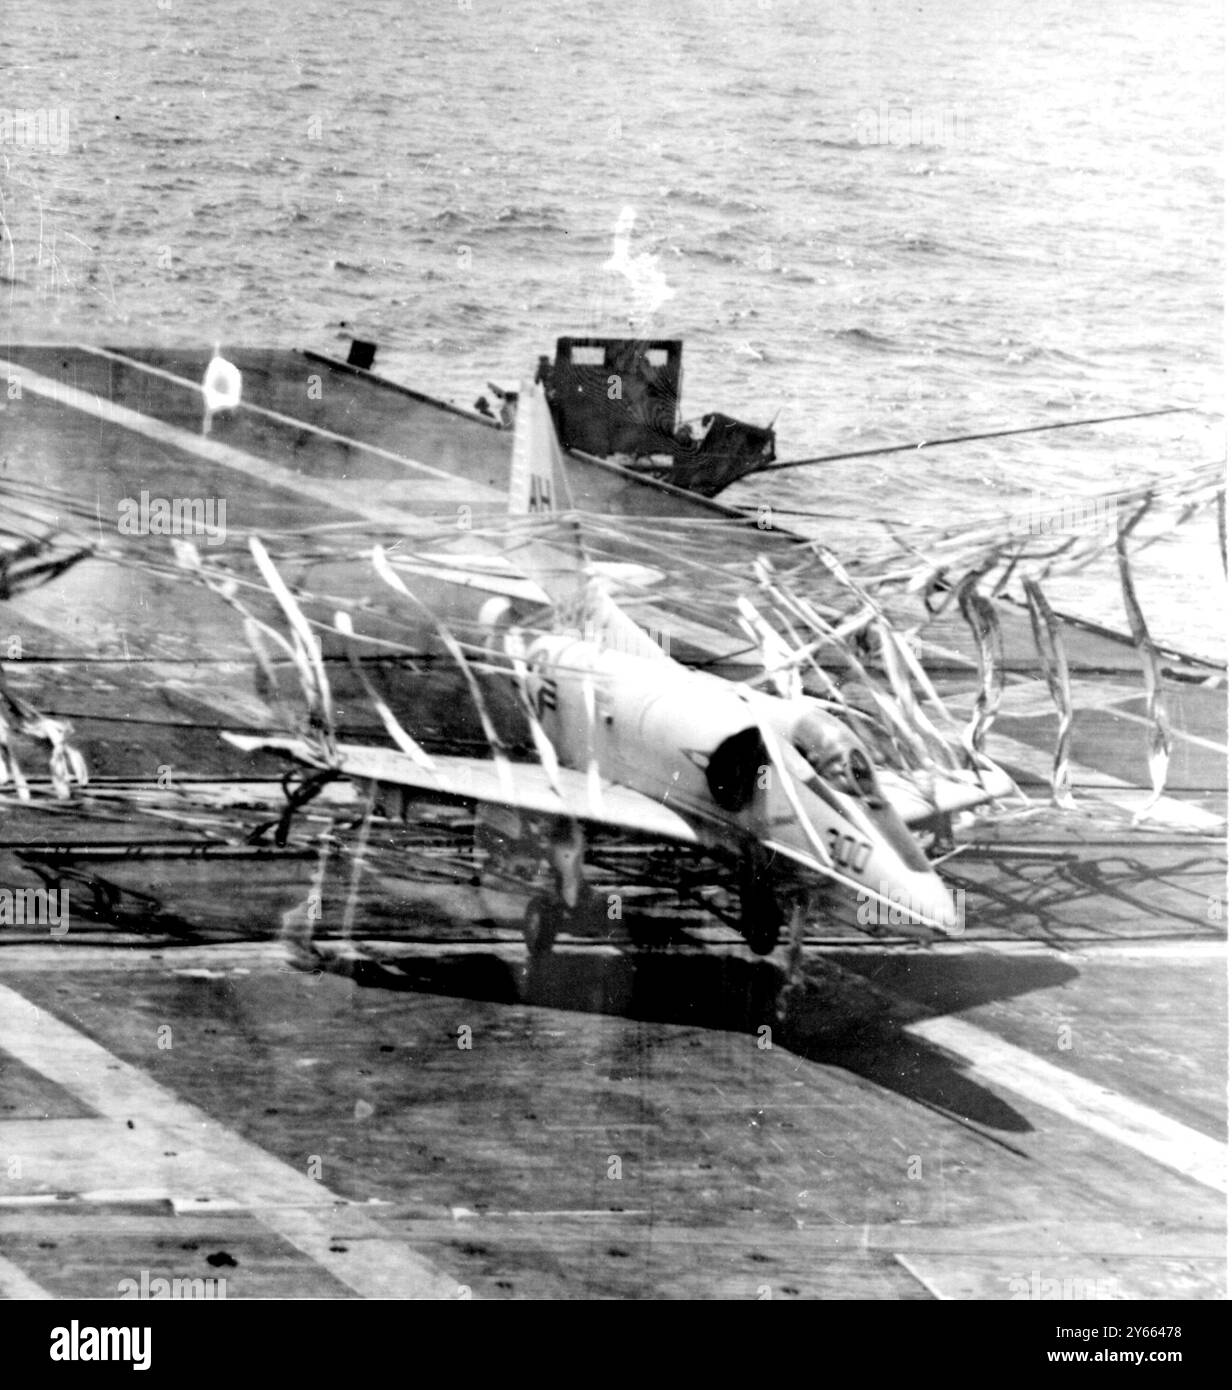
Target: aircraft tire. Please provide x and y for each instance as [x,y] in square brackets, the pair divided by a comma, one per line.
[540,923]
[761,916]
[761,934]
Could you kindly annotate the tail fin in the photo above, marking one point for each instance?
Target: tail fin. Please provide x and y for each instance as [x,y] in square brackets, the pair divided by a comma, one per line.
[537,481]
[538,486]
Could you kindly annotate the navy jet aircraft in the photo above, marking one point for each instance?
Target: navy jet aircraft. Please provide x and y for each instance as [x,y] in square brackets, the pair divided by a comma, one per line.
[630,740]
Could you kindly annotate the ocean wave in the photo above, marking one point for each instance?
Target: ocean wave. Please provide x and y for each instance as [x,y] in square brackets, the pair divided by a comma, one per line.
[548,215]
[865,337]
[448,218]
[717,257]
[922,244]
[504,230]
[714,201]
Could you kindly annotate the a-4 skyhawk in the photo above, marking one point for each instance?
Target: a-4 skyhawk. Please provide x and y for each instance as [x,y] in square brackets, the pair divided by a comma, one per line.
[630,740]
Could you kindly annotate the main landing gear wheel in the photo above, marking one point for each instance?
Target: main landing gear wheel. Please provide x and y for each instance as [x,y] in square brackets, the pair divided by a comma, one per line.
[547,916]
[541,923]
[761,934]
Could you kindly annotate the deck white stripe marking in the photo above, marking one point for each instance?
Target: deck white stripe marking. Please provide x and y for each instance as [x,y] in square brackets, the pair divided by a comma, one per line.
[334,494]
[292,420]
[921,1278]
[1179,951]
[15,1283]
[375,1263]
[1106,1112]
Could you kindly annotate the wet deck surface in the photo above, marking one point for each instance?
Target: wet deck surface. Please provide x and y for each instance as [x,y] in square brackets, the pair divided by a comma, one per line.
[1037,1109]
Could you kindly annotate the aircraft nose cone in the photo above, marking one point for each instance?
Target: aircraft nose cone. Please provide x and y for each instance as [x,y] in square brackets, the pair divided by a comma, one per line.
[943,908]
[932,905]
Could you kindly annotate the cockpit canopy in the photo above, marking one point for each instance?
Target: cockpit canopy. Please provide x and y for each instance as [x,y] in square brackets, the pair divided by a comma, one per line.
[836,757]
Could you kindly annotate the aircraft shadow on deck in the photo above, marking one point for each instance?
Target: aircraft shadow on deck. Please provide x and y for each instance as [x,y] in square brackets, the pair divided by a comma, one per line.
[854,1006]
[836,1016]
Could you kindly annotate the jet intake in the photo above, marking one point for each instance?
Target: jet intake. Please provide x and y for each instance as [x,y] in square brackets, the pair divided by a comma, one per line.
[734,767]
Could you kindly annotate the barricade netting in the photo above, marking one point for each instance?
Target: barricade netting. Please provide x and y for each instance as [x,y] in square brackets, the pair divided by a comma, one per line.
[35,548]
[879,613]
[969,568]
[870,633]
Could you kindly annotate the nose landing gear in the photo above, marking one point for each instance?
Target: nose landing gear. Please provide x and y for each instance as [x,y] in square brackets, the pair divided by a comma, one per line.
[761,914]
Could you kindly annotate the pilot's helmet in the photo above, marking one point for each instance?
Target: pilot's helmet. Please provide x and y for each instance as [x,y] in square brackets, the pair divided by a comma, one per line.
[823,745]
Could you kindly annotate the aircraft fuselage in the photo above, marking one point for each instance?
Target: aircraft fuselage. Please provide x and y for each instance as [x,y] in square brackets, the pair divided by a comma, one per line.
[697,743]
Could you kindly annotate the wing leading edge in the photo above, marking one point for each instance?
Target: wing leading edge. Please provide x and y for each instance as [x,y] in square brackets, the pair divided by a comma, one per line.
[524,786]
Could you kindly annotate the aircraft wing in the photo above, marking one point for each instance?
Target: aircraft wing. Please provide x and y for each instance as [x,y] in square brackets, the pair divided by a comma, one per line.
[522,786]
[478,572]
[948,792]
